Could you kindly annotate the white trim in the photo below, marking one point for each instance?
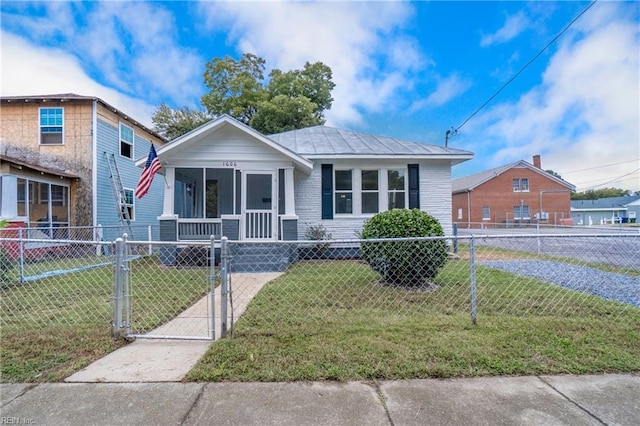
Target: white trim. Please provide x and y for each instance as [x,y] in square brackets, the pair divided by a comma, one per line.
[62,142]
[94,169]
[120,140]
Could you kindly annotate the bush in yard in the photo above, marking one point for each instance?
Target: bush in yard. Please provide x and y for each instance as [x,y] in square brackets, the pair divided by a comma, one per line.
[410,262]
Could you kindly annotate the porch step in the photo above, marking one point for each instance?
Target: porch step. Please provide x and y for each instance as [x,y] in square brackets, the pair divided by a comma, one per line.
[260,257]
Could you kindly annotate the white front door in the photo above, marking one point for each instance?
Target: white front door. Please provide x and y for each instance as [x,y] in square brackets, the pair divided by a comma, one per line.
[259,206]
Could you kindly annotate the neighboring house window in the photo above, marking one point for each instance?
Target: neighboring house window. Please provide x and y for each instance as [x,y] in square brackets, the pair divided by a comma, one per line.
[126,141]
[521,212]
[486,213]
[370,191]
[516,185]
[459,213]
[521,185]
[344,191]
[51,126]
[397,189]
[128,204]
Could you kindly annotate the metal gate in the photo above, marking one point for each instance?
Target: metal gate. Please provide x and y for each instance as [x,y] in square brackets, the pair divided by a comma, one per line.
[171,294]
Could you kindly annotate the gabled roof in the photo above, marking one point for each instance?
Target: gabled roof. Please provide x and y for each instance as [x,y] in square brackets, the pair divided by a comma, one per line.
[22,163]
[330,142]
[73,97]
[471,182]
[199,133]
[612,203]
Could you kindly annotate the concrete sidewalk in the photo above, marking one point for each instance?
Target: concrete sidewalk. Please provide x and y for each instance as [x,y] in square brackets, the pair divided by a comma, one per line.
[545,400]
[169,360]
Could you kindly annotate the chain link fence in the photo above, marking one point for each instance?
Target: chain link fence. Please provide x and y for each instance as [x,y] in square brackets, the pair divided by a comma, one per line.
[149,286]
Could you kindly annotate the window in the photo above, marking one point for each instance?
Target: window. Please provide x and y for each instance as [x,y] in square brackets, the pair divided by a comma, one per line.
[126,141]
[127,205]
[521,212]
[521,185]
[370,191]
[51,126]
[459,213]
[516,185]
[486,213]
[397,189]
[344,191]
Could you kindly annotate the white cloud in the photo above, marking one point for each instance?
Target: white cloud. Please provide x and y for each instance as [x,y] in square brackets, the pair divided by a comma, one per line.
[29,70]
[584,115]
[446,89]
[346,36]
[513,27]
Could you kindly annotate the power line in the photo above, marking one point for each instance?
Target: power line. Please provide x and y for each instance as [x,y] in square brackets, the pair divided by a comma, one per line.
[455,131]
[600,167]
[615,179]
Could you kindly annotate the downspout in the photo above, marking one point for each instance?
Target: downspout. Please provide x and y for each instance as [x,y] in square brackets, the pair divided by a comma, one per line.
[94,168]
[469,209]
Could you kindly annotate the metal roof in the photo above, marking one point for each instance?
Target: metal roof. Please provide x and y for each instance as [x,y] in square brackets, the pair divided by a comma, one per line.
[325,141]
[611,203]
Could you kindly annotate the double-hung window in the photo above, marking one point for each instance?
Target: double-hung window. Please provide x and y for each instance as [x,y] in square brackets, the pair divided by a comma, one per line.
[370,191]
[486,213]
[521,185]
[51,126]
[397,191]
[521,212]
[126,141]
[127,204]
[344,191]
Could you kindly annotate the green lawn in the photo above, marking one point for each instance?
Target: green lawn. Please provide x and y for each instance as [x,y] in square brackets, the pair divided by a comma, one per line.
[55,326]
[329,320]
[314,324]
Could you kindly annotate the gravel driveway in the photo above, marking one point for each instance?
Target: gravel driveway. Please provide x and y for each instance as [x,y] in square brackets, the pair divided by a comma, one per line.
[621,288]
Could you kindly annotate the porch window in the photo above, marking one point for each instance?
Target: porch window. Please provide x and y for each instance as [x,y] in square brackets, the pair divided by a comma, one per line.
[126,141]
[344,191]
[397,189]
[205,193]
[45,204]
[51,126]
[370,191]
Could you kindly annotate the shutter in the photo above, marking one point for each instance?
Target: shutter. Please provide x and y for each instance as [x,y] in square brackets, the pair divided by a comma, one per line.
[327,191]
[414,186]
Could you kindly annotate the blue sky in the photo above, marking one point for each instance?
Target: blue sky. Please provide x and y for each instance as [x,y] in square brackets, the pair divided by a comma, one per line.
[409,70]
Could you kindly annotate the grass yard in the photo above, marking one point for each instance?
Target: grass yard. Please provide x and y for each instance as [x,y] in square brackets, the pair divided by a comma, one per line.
[337,323]
[58,325]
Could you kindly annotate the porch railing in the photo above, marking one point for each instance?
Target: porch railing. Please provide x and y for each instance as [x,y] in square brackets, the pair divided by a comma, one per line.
[258,225]
[199,229]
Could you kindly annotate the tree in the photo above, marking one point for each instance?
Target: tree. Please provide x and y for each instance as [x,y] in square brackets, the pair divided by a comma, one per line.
[552,173]
[172,123]
[595,194]
[287,101]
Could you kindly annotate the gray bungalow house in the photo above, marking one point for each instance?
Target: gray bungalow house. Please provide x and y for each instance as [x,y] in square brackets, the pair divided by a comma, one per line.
[226,179]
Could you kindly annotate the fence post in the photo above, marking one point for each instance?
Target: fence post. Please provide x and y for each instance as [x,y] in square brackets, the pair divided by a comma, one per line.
[455,238]
[150,238]
[224,265]
[21,250]
[212,279]
[126,293]
[472,260]
[117,288]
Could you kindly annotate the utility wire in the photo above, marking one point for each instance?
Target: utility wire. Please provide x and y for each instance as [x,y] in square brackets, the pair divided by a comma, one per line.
[600,167]
[454,131]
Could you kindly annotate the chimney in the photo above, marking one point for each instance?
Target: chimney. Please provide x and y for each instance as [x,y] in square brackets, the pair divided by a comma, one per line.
[536,161]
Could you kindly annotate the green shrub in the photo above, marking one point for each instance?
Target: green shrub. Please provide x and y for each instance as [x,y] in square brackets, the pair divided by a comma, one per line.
[409,262]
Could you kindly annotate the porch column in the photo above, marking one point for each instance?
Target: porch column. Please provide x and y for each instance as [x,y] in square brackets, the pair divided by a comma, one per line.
[9,193]
[289,197]
[170,176]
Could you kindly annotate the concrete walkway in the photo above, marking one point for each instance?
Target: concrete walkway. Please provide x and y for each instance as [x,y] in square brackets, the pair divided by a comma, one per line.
[545,400]
[169,360]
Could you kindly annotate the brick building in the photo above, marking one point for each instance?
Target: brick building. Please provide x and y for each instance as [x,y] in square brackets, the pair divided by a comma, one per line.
[516,193]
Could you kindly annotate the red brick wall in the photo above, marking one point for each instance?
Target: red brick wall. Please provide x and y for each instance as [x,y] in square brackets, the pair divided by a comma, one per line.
[498,194]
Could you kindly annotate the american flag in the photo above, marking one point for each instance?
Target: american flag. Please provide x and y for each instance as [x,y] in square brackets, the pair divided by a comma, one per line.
[150,169]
